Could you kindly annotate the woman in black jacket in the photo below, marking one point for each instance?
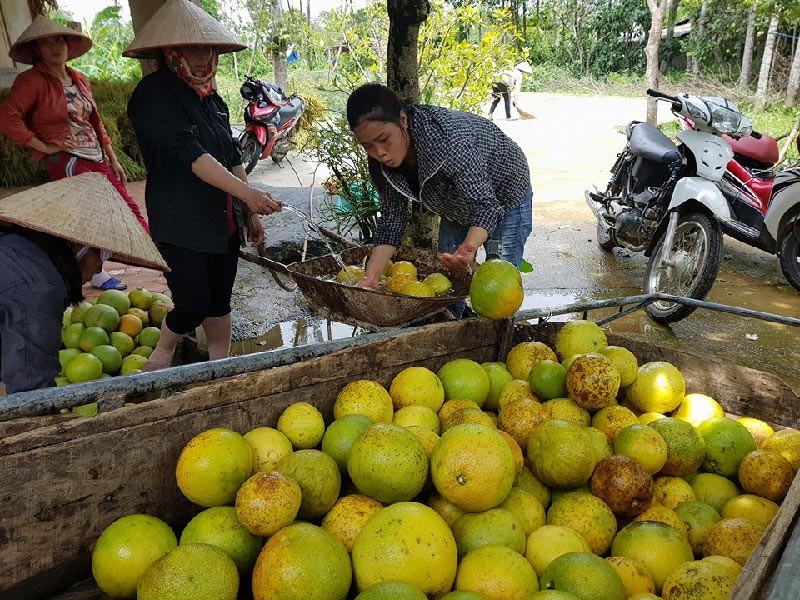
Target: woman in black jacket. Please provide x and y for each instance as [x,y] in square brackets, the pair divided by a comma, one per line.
[197,192]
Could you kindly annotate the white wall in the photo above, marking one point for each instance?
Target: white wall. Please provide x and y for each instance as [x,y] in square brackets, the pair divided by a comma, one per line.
[15,16]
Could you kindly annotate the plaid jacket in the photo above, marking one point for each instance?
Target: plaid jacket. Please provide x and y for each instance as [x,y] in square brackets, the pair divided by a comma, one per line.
[469,172]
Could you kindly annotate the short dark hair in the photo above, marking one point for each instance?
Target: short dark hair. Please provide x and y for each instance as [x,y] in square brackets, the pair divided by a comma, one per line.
[373,102]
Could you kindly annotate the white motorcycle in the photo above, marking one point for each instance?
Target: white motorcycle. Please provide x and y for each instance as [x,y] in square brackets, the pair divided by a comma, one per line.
[663,199]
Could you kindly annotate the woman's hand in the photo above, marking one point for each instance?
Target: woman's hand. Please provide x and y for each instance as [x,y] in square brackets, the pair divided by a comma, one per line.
[118,171]
[462,258]
[260,203]
[255,230]
[367,284]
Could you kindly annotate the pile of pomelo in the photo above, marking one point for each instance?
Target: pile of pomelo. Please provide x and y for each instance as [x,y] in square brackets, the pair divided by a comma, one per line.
[112,334]
[566,473]
[401,277]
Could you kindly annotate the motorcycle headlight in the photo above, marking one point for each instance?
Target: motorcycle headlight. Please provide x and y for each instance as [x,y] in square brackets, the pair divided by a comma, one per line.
[696,112]
[724,119]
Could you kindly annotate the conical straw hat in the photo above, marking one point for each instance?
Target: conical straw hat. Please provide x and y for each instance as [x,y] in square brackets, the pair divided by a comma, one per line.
[87,210]
[181,23]
[23,49]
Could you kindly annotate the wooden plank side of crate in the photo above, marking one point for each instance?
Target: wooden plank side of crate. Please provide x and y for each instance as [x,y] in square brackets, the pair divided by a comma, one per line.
[61,485]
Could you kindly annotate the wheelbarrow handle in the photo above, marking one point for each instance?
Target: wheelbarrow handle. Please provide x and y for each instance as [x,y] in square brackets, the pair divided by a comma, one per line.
[274,267]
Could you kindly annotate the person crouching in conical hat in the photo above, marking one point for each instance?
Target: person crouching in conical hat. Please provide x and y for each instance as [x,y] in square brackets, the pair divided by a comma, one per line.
[197,189]
[52,113]
[52,239]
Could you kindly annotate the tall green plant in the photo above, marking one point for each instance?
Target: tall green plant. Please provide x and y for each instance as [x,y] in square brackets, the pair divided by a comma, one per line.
[110,36]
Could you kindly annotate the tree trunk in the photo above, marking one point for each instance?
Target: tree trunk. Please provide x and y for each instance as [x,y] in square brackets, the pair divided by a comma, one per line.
[694,64]
[672,16]
[794,79]
[747,54]
[402,75]
[280,70]
[141,11]
[766,63]
[657,10]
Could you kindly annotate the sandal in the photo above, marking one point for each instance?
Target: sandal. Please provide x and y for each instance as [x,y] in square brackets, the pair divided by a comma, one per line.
[111,284]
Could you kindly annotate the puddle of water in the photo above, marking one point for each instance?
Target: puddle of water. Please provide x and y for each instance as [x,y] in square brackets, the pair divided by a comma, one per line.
[293,334]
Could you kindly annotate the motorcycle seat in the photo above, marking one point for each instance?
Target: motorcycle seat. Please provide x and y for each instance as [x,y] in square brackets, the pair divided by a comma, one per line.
[763,150]
[289,111]
[648,142]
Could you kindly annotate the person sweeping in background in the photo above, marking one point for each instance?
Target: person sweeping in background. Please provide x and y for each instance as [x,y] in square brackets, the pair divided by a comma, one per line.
[508,87]
[51,111]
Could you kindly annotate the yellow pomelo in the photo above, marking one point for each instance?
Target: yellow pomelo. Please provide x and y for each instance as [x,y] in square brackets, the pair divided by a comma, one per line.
[446,509]
[110,357]
[464,595]
[560,454]
[419,416]
[527,481]
[392,590]
[600,445]
[495,291]
[91,337]
[438,282]
[122,342]
[84,367]
[579,337]
[158,311]
[566,409]
[585,575]
[730,564]
[473,467]
[464,379]
[350,275]
[635,577]
[132,364]
[364,397]
[685,446]
[696,408]
[625,362]
[644,597]
[117,299]
[498,573]
[551,541]
[269,446]
[302,424]
[149,336]
[493,527]
[757,428]
[520,418]
[499,376]
[220,527]
[396,282]
[523,356]
[515,390]
[661,514]
[699,518]
[699,579]
[130,324]
[145,351]
[548,379]
[649,417]
[102,315]
[267,502]
[749,506]
[302,561]
[451,406]
[190,572]
[348,516]
[78,313]
[143,315]
[516,450]
[587,515]
[593,381]
[735,538]
[341,435]
[644,444]
[713,489]
[426,437]
[785,442]
[417,289]
[658,546]
[125,550]
[623,484]
[319,479]
[526,508]
[727,443]
[141,298]
[462,416]
[766,474]
[403,266]
[554,595]
[212,466]
[409,542]
[417,385]
[388,463]
[671,491]
[612,419]
[658,387]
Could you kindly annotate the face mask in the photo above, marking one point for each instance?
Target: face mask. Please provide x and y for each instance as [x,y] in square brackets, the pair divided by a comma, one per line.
[104,254]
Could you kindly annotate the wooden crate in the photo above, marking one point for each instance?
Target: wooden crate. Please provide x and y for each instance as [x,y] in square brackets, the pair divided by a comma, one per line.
[63,481]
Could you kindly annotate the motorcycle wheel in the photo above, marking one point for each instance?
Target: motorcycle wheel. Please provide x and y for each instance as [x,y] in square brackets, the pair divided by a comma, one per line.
[604,240]
[696,253]
[790,254]
[251,151]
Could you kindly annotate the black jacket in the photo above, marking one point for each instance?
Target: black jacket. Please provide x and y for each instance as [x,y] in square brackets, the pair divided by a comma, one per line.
[175,127]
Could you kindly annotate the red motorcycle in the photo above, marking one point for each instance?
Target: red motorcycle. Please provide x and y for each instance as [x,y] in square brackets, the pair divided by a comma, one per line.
[764,203]
[270,118]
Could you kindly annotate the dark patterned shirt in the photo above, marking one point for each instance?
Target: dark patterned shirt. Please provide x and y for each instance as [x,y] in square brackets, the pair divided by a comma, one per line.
[469,172]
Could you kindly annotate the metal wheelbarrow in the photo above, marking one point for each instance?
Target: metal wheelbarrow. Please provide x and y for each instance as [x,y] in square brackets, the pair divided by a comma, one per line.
[370,309]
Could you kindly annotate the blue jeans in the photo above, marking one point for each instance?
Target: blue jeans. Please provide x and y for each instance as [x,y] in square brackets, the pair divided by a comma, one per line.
[507,241]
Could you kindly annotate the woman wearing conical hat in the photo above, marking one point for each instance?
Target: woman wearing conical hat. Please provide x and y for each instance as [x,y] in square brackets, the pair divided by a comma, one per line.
[194,173]
[51,111]
[51,241]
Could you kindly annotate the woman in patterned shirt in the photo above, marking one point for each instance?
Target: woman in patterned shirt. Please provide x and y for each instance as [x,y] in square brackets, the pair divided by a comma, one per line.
[51,112]
[458,165]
